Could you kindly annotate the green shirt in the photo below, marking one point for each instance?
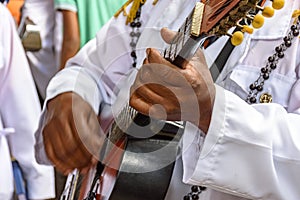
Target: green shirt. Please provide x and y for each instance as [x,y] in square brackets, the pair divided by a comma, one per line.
[92,14]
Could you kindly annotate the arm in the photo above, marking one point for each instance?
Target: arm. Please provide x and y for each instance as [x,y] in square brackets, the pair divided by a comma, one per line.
[95,73]
[249,151]
[71,36]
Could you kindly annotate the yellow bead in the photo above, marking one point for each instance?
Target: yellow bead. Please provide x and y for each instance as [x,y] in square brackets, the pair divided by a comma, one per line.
[268,11]
[278,4]
[237,38]
[247,29]
[296,13]
[258,21]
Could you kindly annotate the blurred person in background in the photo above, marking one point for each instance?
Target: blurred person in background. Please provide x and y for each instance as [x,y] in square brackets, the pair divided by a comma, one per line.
[81,21]
[45,62]
[19,114]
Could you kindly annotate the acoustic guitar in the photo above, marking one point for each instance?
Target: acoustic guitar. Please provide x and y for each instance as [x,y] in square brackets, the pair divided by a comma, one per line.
[136,168]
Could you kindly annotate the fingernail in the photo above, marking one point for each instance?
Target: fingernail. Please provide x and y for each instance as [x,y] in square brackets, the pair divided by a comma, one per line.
[148,50]
[66,172]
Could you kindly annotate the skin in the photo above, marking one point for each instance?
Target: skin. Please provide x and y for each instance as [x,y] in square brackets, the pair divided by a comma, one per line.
[71,36]
[71,131]
[72,135]
[193,87]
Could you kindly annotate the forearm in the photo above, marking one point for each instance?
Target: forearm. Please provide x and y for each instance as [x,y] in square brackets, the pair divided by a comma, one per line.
[69,48]
[71,36]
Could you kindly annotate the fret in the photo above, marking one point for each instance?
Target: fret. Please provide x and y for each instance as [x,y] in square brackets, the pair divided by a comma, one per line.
[179,40]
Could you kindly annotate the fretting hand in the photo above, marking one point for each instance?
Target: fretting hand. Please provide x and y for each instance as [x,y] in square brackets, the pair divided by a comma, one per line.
[164,91]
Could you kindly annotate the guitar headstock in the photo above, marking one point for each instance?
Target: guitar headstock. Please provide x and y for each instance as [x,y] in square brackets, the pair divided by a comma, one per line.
[216,17]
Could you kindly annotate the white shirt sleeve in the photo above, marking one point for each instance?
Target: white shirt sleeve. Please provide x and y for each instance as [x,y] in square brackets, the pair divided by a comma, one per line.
[252,151]
[249,151]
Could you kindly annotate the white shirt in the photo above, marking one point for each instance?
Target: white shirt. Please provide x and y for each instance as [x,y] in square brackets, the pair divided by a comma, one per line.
[250,151]
[45,62]
[19,114]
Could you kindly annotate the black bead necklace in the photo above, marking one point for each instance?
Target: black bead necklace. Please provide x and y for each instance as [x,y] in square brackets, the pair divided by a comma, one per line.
[135,34]
[258,85]
[195,192]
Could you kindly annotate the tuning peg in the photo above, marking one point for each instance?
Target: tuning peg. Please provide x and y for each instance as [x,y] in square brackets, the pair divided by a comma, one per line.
[257,20]
[236,38]
[245,28]
[278,4]
[266,11]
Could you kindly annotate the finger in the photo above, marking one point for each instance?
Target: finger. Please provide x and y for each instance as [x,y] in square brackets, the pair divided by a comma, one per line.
[76,158]
[156,111]
[63,155]
[148,93]
[88,137]
[51,154]
[168,35]
[66,148]
[139,104]
[145,61]
[154,56]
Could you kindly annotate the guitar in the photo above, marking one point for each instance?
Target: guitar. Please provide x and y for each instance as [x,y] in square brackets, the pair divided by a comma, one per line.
[208,21]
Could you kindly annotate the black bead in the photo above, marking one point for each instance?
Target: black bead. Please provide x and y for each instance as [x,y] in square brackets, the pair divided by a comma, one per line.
[252,100]
[186,197]
[280,54]
[134,64]
[138,24]
[252,86]
[202,188]
[133,24]
[138,14]
[295,33]
[264,70]
[293,27]
[286,38]
[271,59]
[273,66]
[132,44]
[132,34]
[278,49]
[133,54]
[259,88]
[266,76]
[195,197]
[137,34]
[195,188]
[288,43]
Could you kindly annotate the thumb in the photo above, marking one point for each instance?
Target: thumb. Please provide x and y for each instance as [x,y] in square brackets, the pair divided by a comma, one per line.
[168,35]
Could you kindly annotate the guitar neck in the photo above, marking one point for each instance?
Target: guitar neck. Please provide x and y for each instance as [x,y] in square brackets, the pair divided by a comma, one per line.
[190,37]
[184,45]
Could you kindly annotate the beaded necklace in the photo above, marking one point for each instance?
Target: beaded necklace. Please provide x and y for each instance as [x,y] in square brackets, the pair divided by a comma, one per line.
[133,19]
[257,86]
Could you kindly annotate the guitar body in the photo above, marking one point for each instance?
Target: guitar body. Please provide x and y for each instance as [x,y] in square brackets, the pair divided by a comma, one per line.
[131,162]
